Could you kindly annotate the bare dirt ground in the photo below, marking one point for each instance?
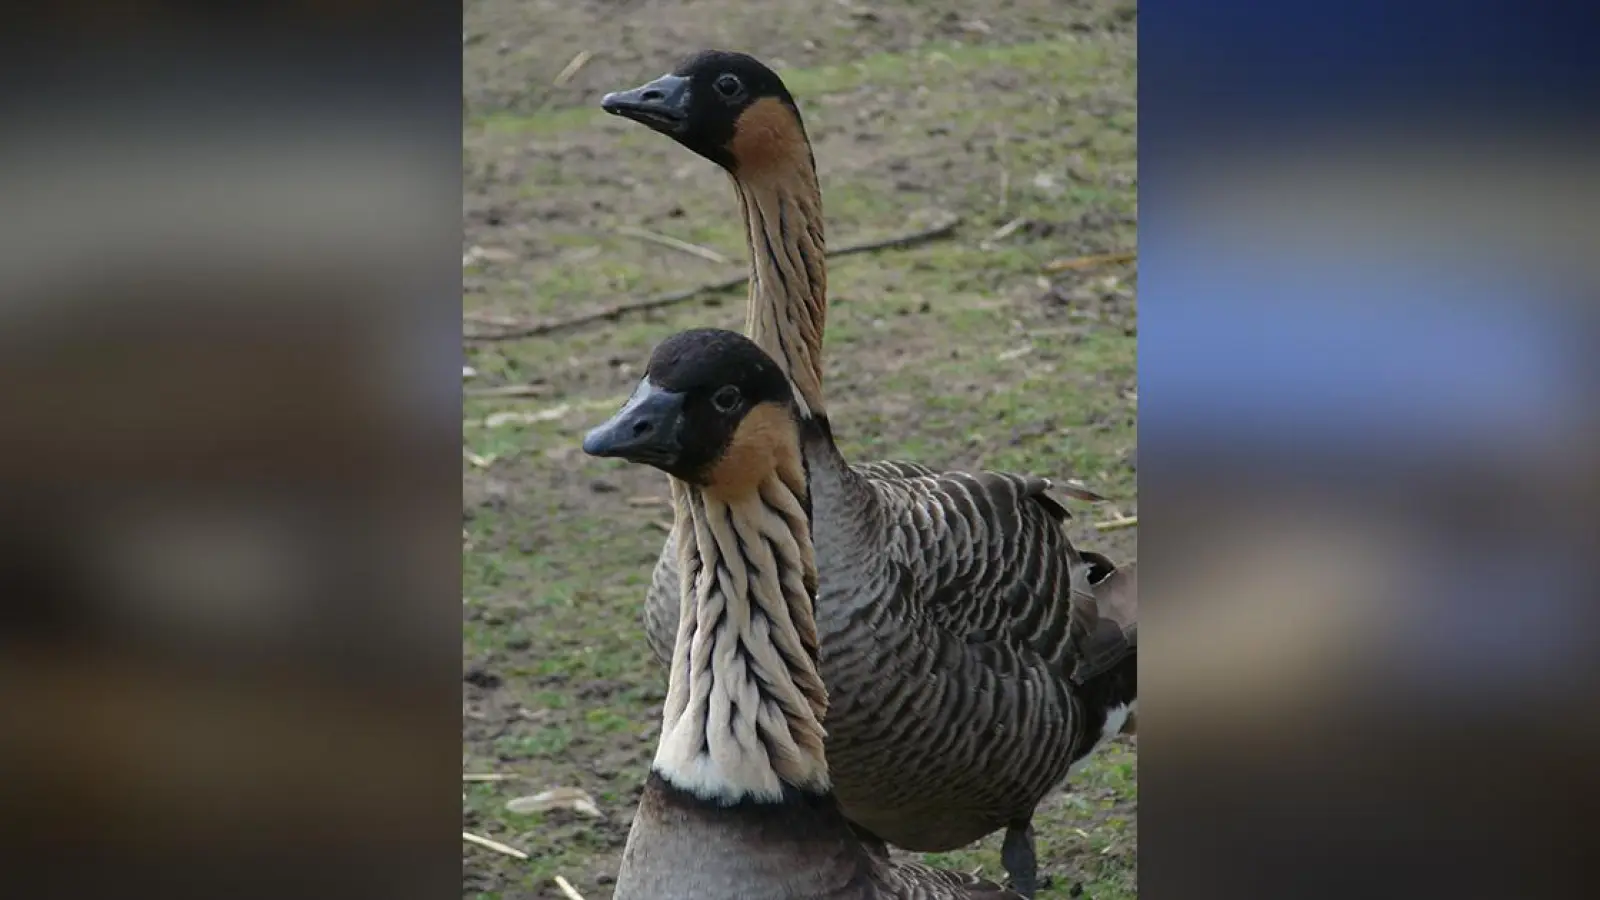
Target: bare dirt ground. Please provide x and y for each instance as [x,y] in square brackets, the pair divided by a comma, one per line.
[966,352]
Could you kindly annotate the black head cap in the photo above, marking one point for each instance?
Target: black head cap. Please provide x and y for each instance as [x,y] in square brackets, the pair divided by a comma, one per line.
[708,358]
[700,386]
[700,103]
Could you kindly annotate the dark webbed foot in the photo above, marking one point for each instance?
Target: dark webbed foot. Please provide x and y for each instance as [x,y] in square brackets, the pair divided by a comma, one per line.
[1017,856]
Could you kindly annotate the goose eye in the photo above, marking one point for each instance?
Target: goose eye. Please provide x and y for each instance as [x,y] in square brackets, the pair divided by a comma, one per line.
[729,86]
[726,399]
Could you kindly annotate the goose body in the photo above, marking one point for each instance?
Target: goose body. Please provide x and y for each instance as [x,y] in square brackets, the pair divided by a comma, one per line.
[684,848]
[739,804]
[951,608]
[996,648]
[920,691]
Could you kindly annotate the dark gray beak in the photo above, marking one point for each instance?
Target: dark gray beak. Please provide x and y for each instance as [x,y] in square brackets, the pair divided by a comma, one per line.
[662,104]
[646,430]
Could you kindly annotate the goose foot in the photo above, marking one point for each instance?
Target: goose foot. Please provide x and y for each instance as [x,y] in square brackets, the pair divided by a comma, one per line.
[1017,856]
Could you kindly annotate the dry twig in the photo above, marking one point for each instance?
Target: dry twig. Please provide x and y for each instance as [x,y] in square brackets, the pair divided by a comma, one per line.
[570,798]
[488,318]
[496,846]
[508,390]
[665,240]
[526,417]
[567,890]
[1079,263]
[1001,233]
[1114,524]
[936,232]
[571,69]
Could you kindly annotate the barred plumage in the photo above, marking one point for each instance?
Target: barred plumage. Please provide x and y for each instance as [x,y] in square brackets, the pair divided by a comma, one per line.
[972,654]
[739,803]
[964,591]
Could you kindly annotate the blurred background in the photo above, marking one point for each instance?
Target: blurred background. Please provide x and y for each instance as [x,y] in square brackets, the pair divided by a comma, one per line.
[1371,431]
[229,346]
[998,139]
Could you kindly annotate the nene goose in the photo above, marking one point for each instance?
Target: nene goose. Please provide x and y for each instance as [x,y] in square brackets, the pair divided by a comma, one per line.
[738,803]
[952,607]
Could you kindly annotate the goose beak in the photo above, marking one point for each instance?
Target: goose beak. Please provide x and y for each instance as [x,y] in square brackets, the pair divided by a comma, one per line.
[646,430]
[662,104]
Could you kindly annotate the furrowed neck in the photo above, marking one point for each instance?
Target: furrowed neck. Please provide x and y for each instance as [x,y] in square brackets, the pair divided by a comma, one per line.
[788,303]
[743,715]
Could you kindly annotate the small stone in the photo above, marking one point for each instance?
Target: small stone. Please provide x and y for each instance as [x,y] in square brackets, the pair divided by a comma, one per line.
[477,676]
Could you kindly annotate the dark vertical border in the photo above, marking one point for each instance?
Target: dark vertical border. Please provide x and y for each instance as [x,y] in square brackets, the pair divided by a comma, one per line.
[1368,422]
[229,451]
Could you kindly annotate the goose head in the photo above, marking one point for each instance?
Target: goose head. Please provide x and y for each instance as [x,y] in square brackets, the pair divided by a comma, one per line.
[727,107]
[712,410]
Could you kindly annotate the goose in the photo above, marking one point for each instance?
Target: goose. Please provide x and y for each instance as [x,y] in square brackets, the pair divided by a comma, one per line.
[738,802]
[951,607]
